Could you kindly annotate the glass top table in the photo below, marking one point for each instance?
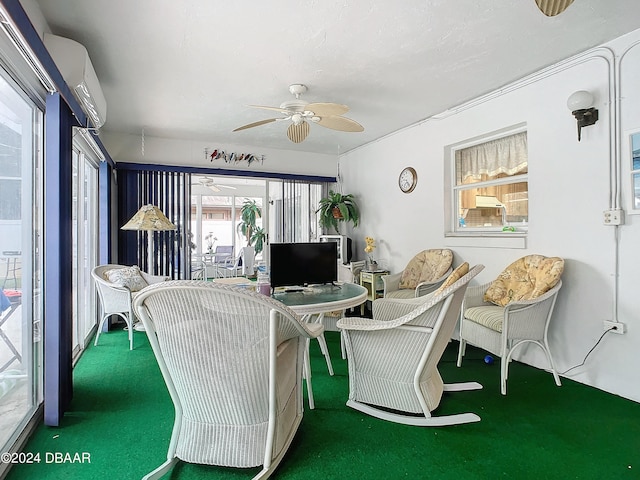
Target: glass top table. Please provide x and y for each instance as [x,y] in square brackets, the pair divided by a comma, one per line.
[318,299]
[315,301]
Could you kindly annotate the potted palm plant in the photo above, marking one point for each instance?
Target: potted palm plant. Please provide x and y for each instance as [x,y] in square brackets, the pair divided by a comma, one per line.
[249,214]
[336,208]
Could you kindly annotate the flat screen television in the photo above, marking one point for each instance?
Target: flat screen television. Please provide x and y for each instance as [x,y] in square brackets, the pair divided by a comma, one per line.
[300,264]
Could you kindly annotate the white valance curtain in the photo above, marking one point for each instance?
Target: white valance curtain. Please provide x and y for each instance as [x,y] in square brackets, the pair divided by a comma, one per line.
[507,156]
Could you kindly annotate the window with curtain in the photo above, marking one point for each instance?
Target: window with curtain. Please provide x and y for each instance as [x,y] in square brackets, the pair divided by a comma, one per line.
[490,185]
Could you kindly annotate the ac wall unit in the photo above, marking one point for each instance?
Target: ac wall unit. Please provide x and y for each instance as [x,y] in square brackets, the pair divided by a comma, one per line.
[72,59]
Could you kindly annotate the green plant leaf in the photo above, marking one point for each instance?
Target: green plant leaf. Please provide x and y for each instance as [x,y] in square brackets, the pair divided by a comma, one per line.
[345,203]
[249,213]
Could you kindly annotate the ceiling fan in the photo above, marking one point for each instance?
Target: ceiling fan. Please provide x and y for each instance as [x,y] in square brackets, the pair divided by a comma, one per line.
[208,183]
[328,115]
[551,8]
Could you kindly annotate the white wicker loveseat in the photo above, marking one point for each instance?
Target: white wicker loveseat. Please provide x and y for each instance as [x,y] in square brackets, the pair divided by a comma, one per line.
[232,361]
[116,298]
[393,357]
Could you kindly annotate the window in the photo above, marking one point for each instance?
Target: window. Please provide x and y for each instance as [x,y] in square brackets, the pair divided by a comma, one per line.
[489,185]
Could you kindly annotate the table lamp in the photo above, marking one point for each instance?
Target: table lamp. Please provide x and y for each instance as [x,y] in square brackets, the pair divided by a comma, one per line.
[151,219]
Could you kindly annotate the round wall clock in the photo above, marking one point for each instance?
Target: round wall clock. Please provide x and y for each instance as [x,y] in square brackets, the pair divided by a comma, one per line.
[407,179]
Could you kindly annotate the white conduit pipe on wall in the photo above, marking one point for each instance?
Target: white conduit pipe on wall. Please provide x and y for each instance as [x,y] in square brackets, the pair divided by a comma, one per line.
[618,133]
[618,148]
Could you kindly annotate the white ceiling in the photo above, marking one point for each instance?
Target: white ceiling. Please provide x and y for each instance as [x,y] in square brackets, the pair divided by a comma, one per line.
[188,69]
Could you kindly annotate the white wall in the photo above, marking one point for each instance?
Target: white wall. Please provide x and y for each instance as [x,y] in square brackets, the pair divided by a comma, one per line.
[165,151]
[569,188]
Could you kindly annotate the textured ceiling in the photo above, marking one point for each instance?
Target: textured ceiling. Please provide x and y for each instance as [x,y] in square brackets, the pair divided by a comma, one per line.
[188,69]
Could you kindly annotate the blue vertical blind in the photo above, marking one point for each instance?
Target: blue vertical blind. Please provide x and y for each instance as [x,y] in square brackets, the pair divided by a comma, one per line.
[171,192]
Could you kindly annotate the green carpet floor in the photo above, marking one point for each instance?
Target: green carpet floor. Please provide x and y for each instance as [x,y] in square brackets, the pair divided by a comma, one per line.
[121,416]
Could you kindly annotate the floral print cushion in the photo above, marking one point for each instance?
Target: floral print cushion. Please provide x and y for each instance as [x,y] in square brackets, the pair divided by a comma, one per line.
[427,266]
[456,275]
[525,279]
[129,277]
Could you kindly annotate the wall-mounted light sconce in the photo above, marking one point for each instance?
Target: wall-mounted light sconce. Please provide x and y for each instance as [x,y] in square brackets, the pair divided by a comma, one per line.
[580,103]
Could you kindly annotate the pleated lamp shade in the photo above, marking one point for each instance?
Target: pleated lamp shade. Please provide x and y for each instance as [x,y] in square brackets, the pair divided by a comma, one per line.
[149,217]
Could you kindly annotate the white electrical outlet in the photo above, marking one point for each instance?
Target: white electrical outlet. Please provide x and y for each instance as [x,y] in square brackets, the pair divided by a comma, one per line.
[613,217]
[614,327]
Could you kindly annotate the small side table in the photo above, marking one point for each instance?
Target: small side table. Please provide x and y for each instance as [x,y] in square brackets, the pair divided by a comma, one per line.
[372,281]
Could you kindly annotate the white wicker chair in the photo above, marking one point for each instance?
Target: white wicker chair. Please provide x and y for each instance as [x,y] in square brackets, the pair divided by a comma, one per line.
[198,270]
[232,360]
[116,300]
[506,328]
[441,259]
[393,357]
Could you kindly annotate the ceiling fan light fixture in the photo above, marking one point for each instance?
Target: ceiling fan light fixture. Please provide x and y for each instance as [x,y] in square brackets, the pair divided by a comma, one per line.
[296,118]
[297,133]
[551,8]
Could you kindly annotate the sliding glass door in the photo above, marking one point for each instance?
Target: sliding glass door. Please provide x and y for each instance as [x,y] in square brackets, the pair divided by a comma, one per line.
[85,238]
[292,206]
[20,260]
[216,204]
[287,214]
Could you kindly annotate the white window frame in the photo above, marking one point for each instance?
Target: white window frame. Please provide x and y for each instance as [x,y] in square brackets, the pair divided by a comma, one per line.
[458,236]
[633,173]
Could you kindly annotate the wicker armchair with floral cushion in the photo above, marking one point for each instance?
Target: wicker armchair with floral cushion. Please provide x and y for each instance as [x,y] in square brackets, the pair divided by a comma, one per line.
[117,285]
[423,274]
[512,310]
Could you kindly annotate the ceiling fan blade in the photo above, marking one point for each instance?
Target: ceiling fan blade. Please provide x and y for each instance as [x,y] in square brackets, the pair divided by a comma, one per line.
[199,189]
[255,124]
[225,186]
[343,124]
[326,109]
[297,133]
[273,109]
[551,8]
